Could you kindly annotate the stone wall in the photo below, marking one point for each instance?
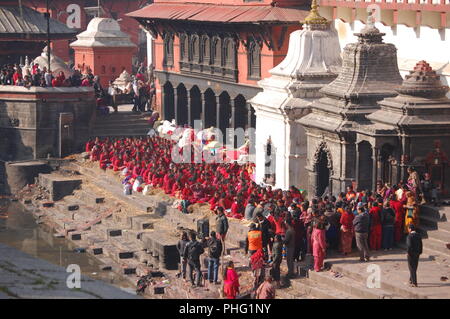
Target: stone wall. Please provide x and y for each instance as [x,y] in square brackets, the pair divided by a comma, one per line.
[29,120]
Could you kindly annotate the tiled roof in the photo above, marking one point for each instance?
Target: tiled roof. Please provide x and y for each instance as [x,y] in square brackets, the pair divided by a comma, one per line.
[221,13]
[18,23]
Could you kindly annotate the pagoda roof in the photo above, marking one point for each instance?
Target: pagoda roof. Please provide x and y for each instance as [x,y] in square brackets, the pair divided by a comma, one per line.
[215,13]
[28,24]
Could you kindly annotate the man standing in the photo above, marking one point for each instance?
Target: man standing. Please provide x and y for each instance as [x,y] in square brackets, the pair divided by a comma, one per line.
[414,250]
[254,240]
[221,226]
[277,258]
[266,228]
[181,247]
[192,253]
[249,209]
[361,226]
[215,251]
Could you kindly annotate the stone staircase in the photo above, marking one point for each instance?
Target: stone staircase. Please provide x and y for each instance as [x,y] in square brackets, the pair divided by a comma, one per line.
[121,124]
[435,227]
[345,279]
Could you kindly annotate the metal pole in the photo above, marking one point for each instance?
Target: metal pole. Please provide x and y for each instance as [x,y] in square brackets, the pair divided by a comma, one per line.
[98,9]
[48,35]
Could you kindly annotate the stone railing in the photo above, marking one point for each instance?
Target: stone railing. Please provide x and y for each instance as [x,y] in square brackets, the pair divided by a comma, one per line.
[420,5]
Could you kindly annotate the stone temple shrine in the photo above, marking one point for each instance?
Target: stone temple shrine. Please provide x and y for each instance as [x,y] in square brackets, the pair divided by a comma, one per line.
[313,60]
[370,125]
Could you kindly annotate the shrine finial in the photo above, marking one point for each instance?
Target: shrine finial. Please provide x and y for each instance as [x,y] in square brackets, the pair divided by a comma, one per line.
[314,17]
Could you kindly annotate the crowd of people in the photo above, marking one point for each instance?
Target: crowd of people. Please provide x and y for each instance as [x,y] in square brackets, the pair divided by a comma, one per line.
[14,74]
[284,224]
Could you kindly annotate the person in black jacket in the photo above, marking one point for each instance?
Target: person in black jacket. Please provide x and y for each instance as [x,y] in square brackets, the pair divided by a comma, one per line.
[414,250]
[214,251]
[277,258]
[221,226]
[192,253]
[181,246]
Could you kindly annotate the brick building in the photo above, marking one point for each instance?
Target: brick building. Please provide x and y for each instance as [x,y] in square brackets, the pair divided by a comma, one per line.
[209,57]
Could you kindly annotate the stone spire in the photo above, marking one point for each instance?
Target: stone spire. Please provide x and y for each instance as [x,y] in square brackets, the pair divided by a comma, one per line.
[423,81]
[421,104]
[370,33]
[369,70]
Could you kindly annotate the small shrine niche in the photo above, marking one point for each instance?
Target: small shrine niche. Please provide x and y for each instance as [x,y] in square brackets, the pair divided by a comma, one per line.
[436,164]
[270,165]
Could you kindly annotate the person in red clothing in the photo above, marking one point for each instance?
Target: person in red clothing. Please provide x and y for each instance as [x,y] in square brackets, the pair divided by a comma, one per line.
[280,227]
[350,194]
[346,222]
[237,208]
[375,227]
[230,281]
[17,76]
[399,210]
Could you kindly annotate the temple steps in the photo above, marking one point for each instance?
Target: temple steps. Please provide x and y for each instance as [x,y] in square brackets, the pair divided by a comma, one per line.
[120,124]
[435,229]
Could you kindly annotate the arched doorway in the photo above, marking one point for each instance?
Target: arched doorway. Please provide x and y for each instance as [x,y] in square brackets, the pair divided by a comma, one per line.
[225,114]
[365,166]
[241,117]
[169,107]
[196,105]
[182,105]
[210,108]
[323,172]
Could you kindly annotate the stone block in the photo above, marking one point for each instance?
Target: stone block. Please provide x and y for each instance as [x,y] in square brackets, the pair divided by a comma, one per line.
[114,232]
[59,186]
[71,208]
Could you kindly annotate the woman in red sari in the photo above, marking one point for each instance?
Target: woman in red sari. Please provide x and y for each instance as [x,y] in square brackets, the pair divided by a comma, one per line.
[230,281]
[346,230]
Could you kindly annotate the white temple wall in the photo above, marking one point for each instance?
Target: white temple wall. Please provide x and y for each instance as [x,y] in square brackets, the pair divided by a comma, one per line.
[289,140]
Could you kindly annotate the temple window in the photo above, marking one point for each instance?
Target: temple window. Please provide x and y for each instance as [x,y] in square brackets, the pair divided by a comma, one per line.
[168,50]
[254,59]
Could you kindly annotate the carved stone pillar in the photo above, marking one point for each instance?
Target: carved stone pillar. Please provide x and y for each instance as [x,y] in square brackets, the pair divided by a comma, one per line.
[175,103]
[375,152]
[188,105]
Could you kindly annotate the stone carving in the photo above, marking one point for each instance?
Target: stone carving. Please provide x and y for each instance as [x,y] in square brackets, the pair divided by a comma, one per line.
[323,147]
[14,122]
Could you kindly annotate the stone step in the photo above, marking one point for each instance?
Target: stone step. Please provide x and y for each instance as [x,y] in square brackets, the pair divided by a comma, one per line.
[347,285]
[128,268]
[434,223]
[438,235]
[120,125]
[122,132]
[396,288]
[433,247]
[439,213]
[318,290]
[142,222]
[89,198]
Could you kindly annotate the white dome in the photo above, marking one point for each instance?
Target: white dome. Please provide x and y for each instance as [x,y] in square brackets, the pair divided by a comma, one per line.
[103,32]
[103,24]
